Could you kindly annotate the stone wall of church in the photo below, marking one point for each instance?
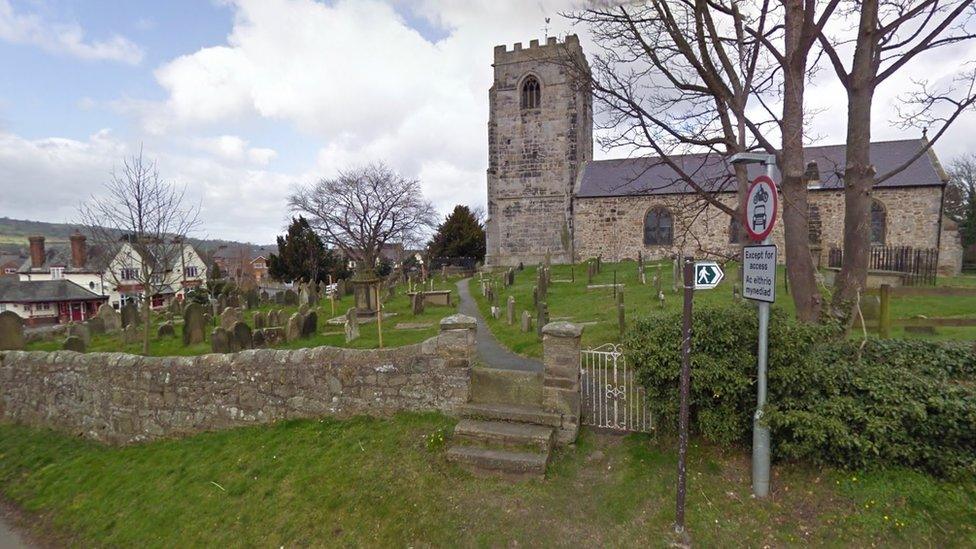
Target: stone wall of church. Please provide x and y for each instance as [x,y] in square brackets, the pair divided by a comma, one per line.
[614,226]
[534,154]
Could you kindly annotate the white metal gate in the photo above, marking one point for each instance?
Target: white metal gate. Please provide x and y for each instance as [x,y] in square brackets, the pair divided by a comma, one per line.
[612,398]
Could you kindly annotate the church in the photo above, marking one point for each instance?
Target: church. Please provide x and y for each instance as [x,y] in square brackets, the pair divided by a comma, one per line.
[547,195]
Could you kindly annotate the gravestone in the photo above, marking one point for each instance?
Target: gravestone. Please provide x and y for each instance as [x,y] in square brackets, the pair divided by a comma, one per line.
[279,298]
[80,331]
[193,324]
[130,334]
[259,320]
[229,317]
[130,315]
[176,307]
[96,325]
[220,340]
[251,299]
[352,325]
[111,319]
[510,312]
[526,325]
[273,336]
[304,295]
[495,312]
[340,289]
[303,309]
[291,298]
[871,307]
[73,343]
[257,339]
[293,330]
[417,303]
[233,300]
[165,329]
[240,337]
[11,331]
[543,317]
[263,297]
[310,324]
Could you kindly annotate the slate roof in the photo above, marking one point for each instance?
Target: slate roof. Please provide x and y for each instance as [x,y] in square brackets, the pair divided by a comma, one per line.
[650,176]
[15,291]
[59,255]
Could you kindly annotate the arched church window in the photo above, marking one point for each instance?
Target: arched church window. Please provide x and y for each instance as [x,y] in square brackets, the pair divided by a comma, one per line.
[658,227]
[878,223]
[531,93]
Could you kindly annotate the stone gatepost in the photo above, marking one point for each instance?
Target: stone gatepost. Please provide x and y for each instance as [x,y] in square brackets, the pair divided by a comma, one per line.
[561,382]
[457,346]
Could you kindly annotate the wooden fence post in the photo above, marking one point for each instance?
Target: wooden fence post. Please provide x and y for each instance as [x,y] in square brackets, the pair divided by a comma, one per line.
[884,313]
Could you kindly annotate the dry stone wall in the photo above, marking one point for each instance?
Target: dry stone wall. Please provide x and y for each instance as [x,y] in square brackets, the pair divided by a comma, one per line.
[120,398]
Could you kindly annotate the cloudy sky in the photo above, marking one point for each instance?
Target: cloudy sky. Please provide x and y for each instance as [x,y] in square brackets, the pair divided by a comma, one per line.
[240,100]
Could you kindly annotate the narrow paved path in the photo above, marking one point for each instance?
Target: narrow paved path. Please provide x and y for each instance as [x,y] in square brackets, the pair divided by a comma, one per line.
[491,352]
[8,538]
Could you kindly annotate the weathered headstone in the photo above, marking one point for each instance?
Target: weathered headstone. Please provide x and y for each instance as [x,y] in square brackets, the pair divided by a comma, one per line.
[96,325]
[542,314]
[131,334]
[273,336]
[251,299]
[510,311]
[304,295]
[193,324]
[417,303]
[310,324]
[165,329]
[240,337]
[229,317]
[258,319]
[303,309]
[352,325]
[279,298]
[257,339]
[73,343]
[291,298]
[293,330]
[526,325]
[11,331]
[263,297]
[130,315]
[220,340]
[535,296]
[79,330]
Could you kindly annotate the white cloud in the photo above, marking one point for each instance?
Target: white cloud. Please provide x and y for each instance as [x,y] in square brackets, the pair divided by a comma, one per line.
[234,148]
[64,38]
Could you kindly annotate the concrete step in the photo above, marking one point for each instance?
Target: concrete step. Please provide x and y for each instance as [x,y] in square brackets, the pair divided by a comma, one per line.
[509,412]
[511,464]
[503,433]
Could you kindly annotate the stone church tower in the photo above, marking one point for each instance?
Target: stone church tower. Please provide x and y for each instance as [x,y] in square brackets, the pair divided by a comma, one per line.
[540,131]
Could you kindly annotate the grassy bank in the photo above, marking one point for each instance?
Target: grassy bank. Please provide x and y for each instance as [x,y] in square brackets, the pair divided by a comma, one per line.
[368,482]
[569,299]
[328,334]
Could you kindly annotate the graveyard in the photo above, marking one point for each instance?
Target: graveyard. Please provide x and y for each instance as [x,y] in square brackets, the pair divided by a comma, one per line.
[576,295]
[284,325]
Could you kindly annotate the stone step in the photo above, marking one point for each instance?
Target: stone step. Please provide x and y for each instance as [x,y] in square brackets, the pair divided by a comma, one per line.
[503,433]
[509,412]
[512,464]
[506,386]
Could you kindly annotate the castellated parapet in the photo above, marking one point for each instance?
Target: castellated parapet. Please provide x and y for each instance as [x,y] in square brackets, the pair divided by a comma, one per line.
[535,151]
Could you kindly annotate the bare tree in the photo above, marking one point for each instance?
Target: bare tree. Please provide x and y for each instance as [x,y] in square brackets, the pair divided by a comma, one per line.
[705,77]
[960,196]
[890,35]
[141,223]
[362,209]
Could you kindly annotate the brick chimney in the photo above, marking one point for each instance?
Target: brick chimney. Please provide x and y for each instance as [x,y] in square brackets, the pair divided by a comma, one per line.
[36,251]
[79,255]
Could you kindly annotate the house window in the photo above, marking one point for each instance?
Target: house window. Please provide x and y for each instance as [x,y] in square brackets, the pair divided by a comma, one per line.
[129,273]
[190,271]
[658,228]
[91,285]
[878,223]
[531,93]
[57,273]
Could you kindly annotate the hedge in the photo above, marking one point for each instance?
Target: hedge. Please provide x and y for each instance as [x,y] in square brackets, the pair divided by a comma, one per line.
[832,400]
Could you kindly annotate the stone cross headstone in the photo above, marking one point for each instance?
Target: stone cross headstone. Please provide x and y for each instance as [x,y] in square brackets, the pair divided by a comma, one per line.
[352,325]
[73,343]
[510,310]
[130,315]
[11,331]
[526,325]
[220,340]
[293,330]
[193,324]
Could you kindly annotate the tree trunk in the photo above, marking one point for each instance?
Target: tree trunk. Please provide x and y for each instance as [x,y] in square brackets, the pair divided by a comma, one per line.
[859,172]
[799,263]
[146,321]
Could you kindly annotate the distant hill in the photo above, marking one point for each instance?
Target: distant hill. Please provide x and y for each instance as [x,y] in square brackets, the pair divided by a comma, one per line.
[14,233]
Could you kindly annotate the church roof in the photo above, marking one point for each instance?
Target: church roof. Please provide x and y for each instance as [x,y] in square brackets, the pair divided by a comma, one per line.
[651,176]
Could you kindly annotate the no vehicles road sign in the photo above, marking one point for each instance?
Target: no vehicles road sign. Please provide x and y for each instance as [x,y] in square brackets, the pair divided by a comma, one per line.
[759,273]
[761,204]
[707,275]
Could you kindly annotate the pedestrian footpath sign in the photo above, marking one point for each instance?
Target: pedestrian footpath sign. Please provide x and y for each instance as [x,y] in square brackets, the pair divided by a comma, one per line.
[759,273]
[707,275]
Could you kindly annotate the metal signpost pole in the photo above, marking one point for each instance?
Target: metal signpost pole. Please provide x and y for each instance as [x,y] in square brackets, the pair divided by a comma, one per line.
[760,432]
[689,286]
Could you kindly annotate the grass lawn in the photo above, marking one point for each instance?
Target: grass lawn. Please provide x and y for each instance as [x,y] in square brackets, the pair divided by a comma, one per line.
[328,334]
[597,310]
[371,482]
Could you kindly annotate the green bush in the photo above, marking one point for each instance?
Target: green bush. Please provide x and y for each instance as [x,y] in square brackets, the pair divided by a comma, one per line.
[830,399]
